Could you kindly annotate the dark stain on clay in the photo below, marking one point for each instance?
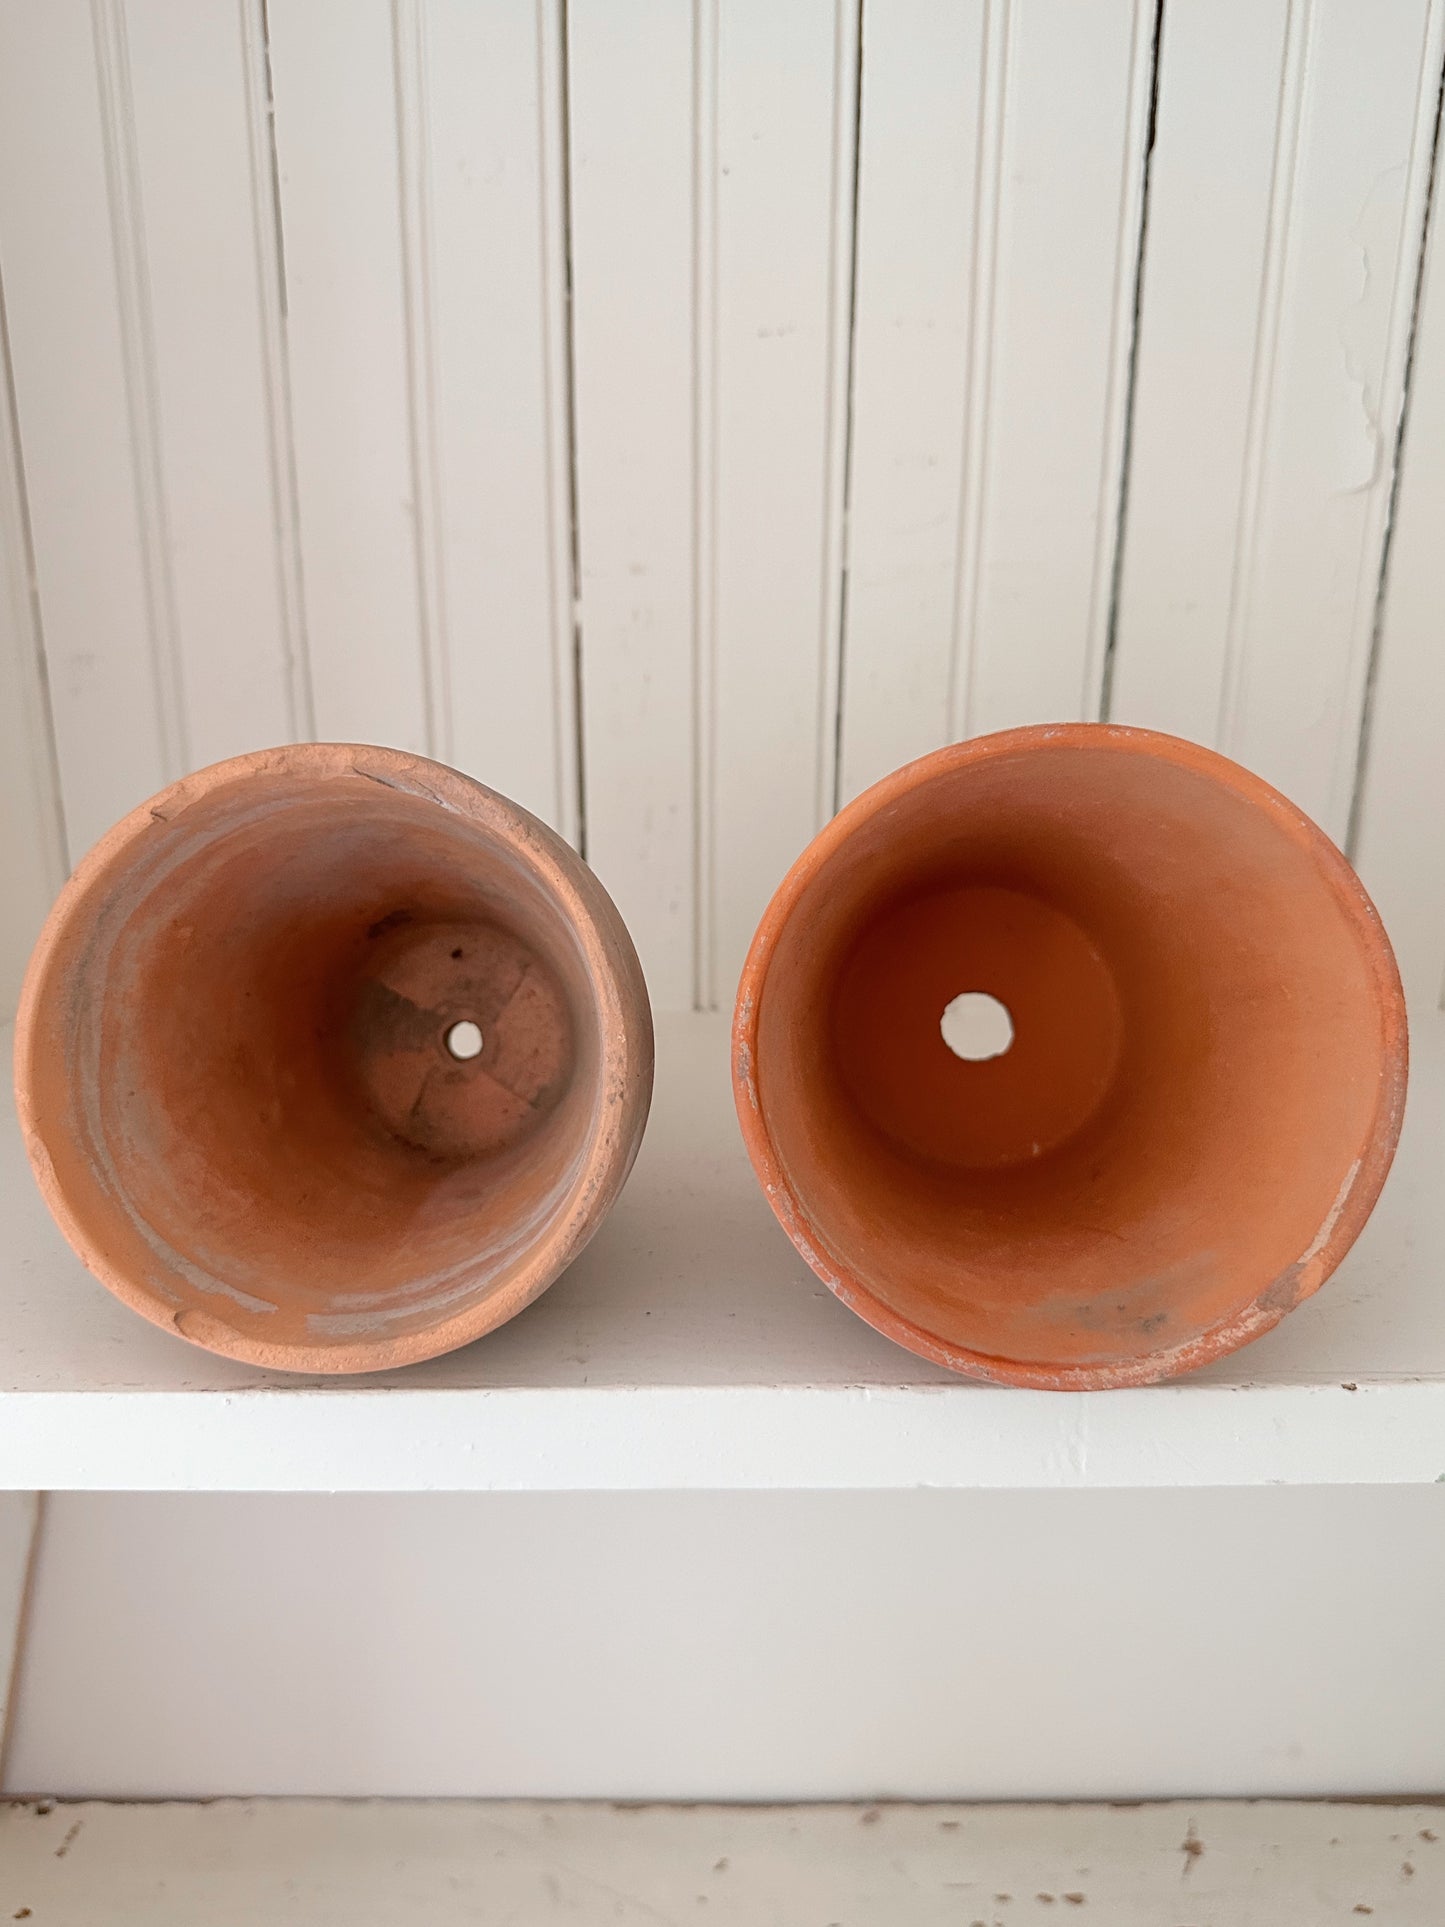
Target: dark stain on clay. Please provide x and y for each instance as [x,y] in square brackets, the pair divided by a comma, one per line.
[1191,1847]
[407,1025]
[70,1838]
[1284,1294]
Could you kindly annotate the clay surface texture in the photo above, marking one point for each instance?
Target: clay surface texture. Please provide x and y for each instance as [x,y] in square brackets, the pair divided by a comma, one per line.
[331,1059]
[1188,1115]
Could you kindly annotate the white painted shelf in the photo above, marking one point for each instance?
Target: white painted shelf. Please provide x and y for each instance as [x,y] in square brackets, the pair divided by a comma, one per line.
[690,1348]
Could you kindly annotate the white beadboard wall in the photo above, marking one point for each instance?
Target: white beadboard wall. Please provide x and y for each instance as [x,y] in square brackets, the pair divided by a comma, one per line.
[678,415]
[1276,314]
[1000,197]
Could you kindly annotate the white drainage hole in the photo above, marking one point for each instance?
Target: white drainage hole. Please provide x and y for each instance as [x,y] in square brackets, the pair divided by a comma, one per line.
[464,1040]
[976,1026]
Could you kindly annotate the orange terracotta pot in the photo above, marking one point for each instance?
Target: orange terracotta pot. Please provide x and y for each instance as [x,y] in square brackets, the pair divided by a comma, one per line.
[1202,1093]
[331,1059]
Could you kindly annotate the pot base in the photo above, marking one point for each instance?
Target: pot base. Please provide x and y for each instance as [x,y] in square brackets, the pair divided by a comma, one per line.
[460,1036]
[1007,1108]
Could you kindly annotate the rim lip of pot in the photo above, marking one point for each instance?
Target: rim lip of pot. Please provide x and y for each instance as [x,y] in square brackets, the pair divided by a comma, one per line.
[624,1019]
[1275,1299]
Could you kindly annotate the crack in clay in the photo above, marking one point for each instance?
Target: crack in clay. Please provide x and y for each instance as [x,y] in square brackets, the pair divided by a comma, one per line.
[418,790]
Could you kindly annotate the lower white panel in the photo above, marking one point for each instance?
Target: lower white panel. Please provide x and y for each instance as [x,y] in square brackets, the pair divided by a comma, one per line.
[738,1646]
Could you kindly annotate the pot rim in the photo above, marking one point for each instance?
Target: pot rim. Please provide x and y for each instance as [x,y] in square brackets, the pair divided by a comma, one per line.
[1346,1218]
[624,1078]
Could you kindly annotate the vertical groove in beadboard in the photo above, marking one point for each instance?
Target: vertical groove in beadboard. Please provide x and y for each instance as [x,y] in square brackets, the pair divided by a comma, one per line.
[983,266]
[1352,750]
[1288,131]
[1123,343]
[37,719]
[413,140]
[842,289]
[276,367]
[117,126]
[560,416]
[704,503]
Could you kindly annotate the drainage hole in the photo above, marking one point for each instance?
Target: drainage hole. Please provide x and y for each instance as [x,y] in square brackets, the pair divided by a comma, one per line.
[976,1026]
[464,1040]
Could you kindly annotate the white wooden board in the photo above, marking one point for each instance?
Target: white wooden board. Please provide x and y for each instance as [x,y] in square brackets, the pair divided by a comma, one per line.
[481,156]
[333,369]
[712,179]
[80,362]
[918,213]
[366,527]
[328,1864]
[314,405]
[630,69]
[213,435]
[33,857]
[1001,169]
[1401,834]
[737,1645]
[690,1348]
[775,243]
[1288,187]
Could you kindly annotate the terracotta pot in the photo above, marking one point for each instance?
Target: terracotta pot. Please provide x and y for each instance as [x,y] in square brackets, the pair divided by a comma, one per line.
[1203,1089]
[242,1082]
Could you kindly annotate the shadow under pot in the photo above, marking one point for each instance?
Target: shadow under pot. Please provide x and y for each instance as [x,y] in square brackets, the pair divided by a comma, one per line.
[1071,1057]
[331,1059]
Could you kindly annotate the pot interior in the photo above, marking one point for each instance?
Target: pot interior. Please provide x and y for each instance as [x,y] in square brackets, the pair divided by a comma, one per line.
[317,1061]
[1071,1054]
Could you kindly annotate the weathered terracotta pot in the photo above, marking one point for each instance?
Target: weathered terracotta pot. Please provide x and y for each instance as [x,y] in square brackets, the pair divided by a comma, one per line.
[242,1082]
[1203,1091]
